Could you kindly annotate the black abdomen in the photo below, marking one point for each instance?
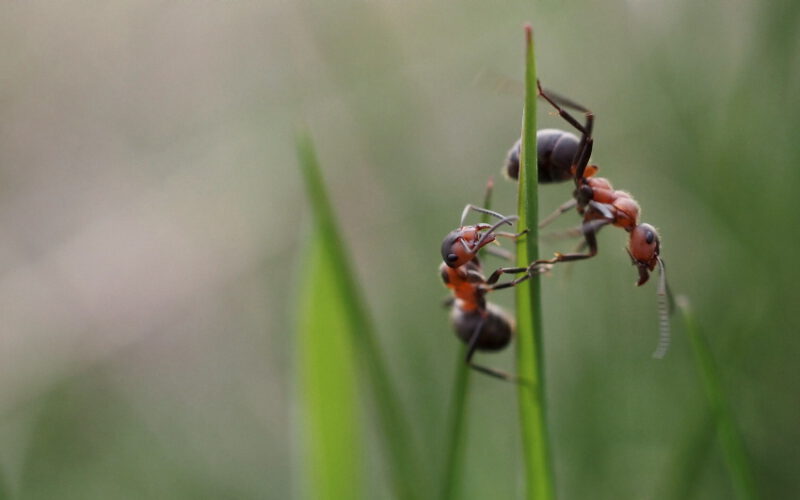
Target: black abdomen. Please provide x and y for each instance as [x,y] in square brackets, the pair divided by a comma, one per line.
[496,329]
[555,150]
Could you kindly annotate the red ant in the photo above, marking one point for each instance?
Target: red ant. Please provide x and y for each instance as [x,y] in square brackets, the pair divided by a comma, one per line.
[480,324]
[595,199]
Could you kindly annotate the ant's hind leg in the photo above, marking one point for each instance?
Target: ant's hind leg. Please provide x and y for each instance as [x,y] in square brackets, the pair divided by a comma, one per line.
[584,151]
[492,372]
[554,100]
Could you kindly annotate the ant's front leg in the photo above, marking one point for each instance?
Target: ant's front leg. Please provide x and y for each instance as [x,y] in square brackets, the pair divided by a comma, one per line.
[535,268]
[590,234]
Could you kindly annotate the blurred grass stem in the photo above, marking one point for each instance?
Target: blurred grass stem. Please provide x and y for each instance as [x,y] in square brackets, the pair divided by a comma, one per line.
[405,474]
[730,439]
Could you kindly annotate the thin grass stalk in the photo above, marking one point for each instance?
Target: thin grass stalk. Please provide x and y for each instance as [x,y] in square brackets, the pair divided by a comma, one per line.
[532,409]
[457,427]
[730,439]
[326,370]
[405,475]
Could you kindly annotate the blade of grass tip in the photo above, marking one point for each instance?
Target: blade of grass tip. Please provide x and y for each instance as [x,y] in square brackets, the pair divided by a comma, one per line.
[532,409]
[730,439]
[406,477]
[457,427]
[327,384]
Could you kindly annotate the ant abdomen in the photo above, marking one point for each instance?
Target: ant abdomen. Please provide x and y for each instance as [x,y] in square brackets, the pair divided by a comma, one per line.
[555,152]
[496,327]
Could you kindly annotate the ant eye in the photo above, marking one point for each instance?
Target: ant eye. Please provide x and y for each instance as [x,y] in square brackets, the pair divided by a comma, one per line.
[452,257]
[649,236]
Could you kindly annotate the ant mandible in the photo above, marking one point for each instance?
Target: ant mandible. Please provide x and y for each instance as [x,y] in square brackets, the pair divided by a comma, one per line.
[478,323]
[562,156]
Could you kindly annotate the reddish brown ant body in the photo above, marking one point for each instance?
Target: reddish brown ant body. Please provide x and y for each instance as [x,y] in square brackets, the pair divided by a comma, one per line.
[595,199]
[478,323]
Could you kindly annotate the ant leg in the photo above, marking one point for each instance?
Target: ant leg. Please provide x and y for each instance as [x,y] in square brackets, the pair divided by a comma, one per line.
[503,270]
[584,151]
[590,230]
[565,207]
[472,346]
[554,99]
[512,236]
[603,208]
[535,268]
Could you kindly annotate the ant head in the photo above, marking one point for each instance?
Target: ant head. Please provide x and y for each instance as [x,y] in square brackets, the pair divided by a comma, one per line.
[644,248]
[461,245]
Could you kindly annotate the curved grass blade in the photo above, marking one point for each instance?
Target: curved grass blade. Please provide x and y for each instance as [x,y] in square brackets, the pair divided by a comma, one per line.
[731,441]
[532,409]
[326,370]
[406,478]
[457,427]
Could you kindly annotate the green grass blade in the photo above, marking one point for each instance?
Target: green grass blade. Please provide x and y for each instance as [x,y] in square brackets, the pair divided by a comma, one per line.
[457,431]
[405,476]
[326,369]
[532,410]
[457,427]
[731,441]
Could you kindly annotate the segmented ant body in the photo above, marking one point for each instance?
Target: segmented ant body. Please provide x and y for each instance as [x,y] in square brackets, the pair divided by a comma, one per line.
[478,323]
[595,199]
[554,152]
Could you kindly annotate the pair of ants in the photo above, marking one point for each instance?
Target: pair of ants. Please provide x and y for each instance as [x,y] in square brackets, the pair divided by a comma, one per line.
[561,156]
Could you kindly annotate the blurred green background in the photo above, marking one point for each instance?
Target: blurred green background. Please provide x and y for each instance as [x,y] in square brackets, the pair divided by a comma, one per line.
[153,222]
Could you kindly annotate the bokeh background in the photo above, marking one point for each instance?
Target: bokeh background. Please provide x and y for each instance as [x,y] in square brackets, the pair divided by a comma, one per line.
[153,221]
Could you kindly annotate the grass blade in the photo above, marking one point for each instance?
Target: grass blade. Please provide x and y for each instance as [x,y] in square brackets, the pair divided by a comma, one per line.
[406,479]
[731,441]
[327,383]
[457,430]
[532,410]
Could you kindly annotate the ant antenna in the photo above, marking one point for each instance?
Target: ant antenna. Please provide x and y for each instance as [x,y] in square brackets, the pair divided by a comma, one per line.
[487,234]
[664,307]
[480,210]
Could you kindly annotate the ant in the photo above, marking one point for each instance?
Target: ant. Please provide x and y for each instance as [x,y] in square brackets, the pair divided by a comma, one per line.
[478,323]
[595,199]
